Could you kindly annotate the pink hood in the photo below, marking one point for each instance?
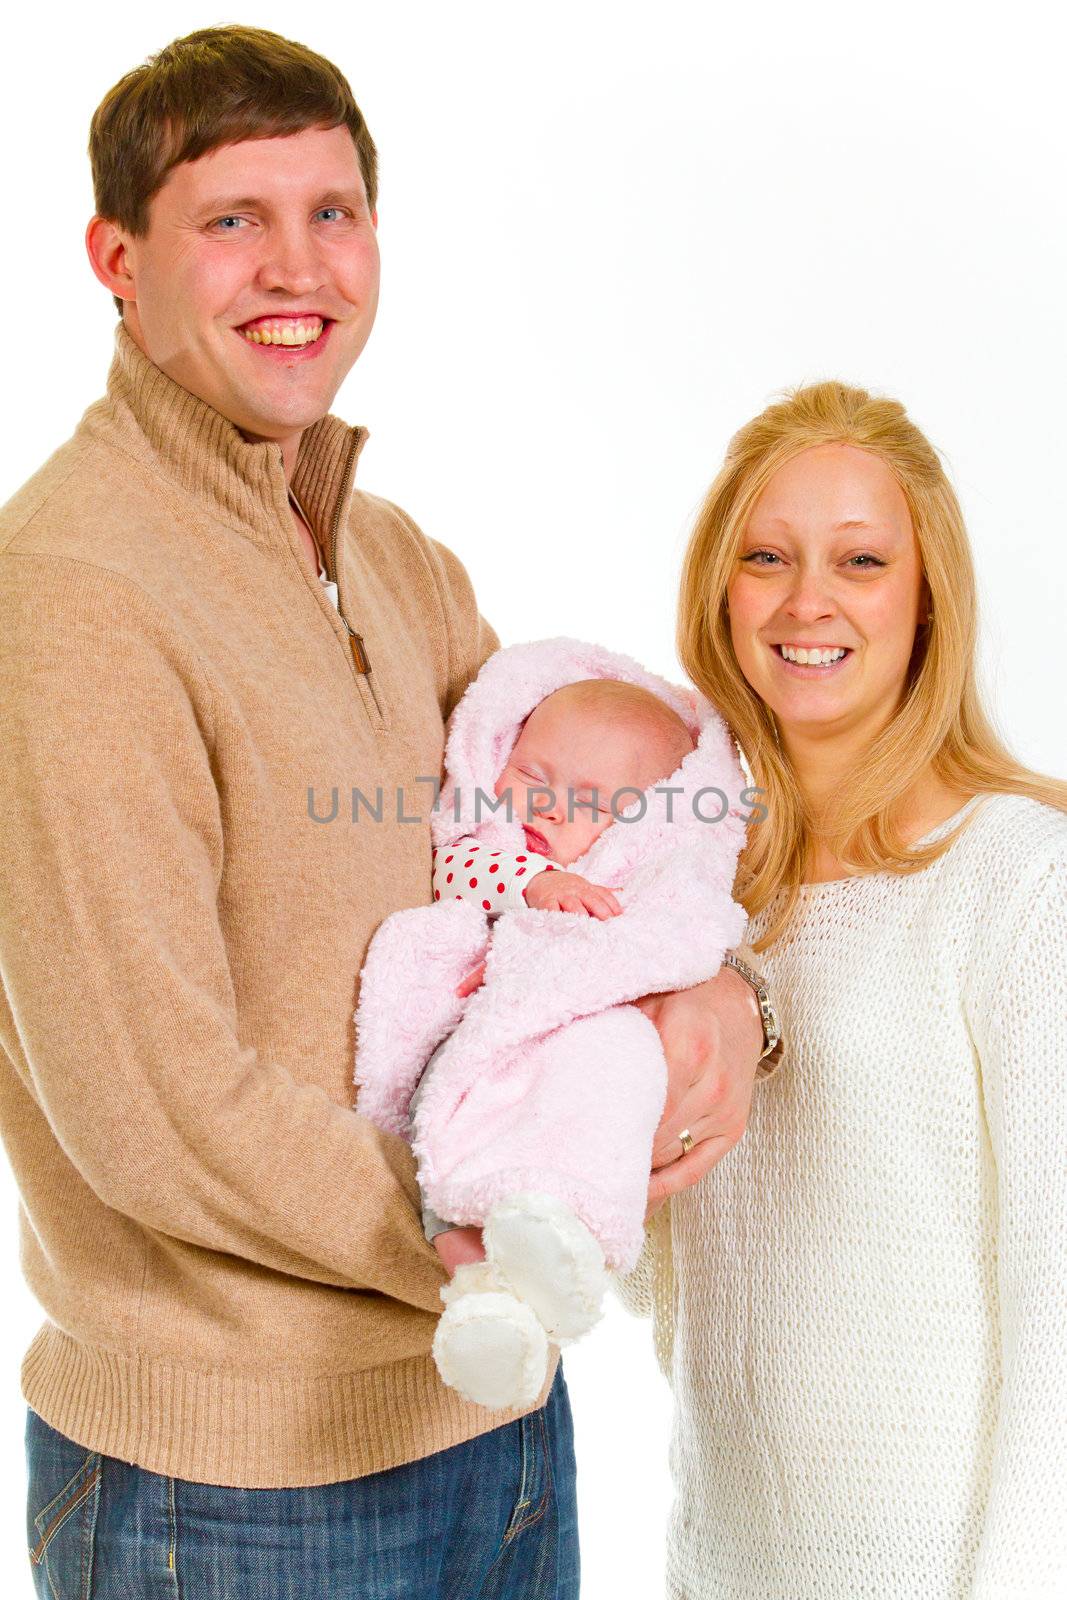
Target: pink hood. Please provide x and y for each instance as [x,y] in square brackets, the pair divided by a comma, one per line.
[488,719]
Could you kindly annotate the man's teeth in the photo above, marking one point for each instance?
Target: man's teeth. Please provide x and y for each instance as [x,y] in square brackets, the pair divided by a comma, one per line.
[295,333]
[811,658]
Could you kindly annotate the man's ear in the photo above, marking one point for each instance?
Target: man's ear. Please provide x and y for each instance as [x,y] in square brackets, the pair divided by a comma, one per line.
[107,249]
[374,218]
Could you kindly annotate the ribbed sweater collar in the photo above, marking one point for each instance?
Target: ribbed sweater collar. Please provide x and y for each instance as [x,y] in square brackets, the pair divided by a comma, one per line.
[175,432]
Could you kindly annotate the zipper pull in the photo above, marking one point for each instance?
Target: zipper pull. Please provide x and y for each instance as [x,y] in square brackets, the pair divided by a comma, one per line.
[358,649]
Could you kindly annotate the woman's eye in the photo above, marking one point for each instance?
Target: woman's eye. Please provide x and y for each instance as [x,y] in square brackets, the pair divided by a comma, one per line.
[754,556]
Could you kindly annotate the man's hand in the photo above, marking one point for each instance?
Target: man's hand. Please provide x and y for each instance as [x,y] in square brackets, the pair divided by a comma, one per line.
[459,1246]
[712,1035]
[567,891]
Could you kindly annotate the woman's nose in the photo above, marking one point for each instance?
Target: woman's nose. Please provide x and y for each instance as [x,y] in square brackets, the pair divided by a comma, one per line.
[809,599]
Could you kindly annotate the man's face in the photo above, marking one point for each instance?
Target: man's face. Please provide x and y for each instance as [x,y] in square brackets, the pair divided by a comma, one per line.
[273,235]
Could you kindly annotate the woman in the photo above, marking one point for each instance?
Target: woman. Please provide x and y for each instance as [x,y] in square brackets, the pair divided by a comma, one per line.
[863,1310]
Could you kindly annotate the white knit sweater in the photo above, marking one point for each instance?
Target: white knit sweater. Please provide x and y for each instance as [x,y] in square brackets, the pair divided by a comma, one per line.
[865,1326]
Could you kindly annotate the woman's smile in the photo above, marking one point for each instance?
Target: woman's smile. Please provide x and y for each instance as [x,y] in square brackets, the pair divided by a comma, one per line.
[811,661]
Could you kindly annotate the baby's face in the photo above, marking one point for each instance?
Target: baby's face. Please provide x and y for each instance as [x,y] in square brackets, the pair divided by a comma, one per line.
[572,751]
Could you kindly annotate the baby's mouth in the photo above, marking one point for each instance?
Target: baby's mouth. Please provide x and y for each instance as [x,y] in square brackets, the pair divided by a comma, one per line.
[536,842]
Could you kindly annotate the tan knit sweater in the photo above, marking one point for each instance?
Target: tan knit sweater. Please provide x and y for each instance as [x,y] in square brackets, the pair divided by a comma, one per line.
[231,1262]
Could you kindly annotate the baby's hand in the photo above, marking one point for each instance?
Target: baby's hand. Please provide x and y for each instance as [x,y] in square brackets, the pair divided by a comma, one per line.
[566,891]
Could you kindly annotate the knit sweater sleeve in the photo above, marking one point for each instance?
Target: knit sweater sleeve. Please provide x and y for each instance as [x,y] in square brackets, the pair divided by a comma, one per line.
[118,1006]
[468,640]
[1018,1029]
[493,880]
[471,640]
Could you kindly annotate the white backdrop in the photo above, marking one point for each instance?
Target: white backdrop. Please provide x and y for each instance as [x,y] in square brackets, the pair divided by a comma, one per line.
[607,240]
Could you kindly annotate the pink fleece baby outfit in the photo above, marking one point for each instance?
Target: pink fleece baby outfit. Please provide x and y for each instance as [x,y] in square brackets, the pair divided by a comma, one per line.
[548,1080]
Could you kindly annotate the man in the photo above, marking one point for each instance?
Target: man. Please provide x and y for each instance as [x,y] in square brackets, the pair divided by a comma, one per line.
[204,620]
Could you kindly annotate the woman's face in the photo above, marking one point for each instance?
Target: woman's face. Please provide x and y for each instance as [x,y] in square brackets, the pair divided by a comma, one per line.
[828,562]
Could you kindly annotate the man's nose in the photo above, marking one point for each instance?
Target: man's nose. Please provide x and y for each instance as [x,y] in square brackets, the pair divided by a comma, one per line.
[292,261]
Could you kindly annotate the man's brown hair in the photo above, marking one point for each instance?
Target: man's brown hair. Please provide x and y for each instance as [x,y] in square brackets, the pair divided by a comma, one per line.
[212,88]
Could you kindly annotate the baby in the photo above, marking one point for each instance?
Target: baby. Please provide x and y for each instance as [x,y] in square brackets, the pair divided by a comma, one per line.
[586,748]
[531,1099]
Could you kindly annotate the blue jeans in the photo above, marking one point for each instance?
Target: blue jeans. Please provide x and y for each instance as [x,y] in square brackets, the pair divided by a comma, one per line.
[490,1519]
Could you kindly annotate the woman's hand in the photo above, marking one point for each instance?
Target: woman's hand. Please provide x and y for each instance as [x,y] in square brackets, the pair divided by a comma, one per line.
[712,1035]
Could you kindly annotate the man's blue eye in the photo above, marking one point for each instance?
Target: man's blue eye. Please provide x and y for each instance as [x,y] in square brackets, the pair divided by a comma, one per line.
[331,211]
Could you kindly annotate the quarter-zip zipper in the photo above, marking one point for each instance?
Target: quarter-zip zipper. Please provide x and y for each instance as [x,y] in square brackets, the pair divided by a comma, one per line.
[359,655]
[355,640]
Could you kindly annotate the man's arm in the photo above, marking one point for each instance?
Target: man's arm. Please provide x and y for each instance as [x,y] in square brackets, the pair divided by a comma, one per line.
[471,640]
[712,1036]
[120,1007]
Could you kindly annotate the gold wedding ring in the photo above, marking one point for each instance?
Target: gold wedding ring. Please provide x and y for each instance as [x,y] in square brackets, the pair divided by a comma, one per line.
[687,1141]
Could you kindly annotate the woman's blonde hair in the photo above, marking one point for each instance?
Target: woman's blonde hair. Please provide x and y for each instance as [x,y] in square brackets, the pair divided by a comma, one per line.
[941,723]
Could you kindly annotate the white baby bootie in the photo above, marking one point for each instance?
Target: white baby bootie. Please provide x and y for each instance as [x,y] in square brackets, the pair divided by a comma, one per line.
[489,1347]
[547,1257]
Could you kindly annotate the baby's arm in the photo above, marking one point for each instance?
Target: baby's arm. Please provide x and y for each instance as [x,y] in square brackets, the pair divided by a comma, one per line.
[494,880]
[499,880]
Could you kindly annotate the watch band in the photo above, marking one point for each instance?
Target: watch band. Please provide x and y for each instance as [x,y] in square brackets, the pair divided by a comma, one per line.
[771,1054]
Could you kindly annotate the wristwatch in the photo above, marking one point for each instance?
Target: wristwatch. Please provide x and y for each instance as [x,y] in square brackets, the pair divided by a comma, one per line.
[773,1043]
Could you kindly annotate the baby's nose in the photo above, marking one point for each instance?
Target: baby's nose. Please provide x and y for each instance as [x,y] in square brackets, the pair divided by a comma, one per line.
[549,806]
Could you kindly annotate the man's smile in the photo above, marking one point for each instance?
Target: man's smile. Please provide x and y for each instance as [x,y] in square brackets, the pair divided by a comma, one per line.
[287,335]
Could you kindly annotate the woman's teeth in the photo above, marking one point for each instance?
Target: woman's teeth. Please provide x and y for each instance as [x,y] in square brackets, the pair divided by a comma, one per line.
[294,333]
[811,658]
